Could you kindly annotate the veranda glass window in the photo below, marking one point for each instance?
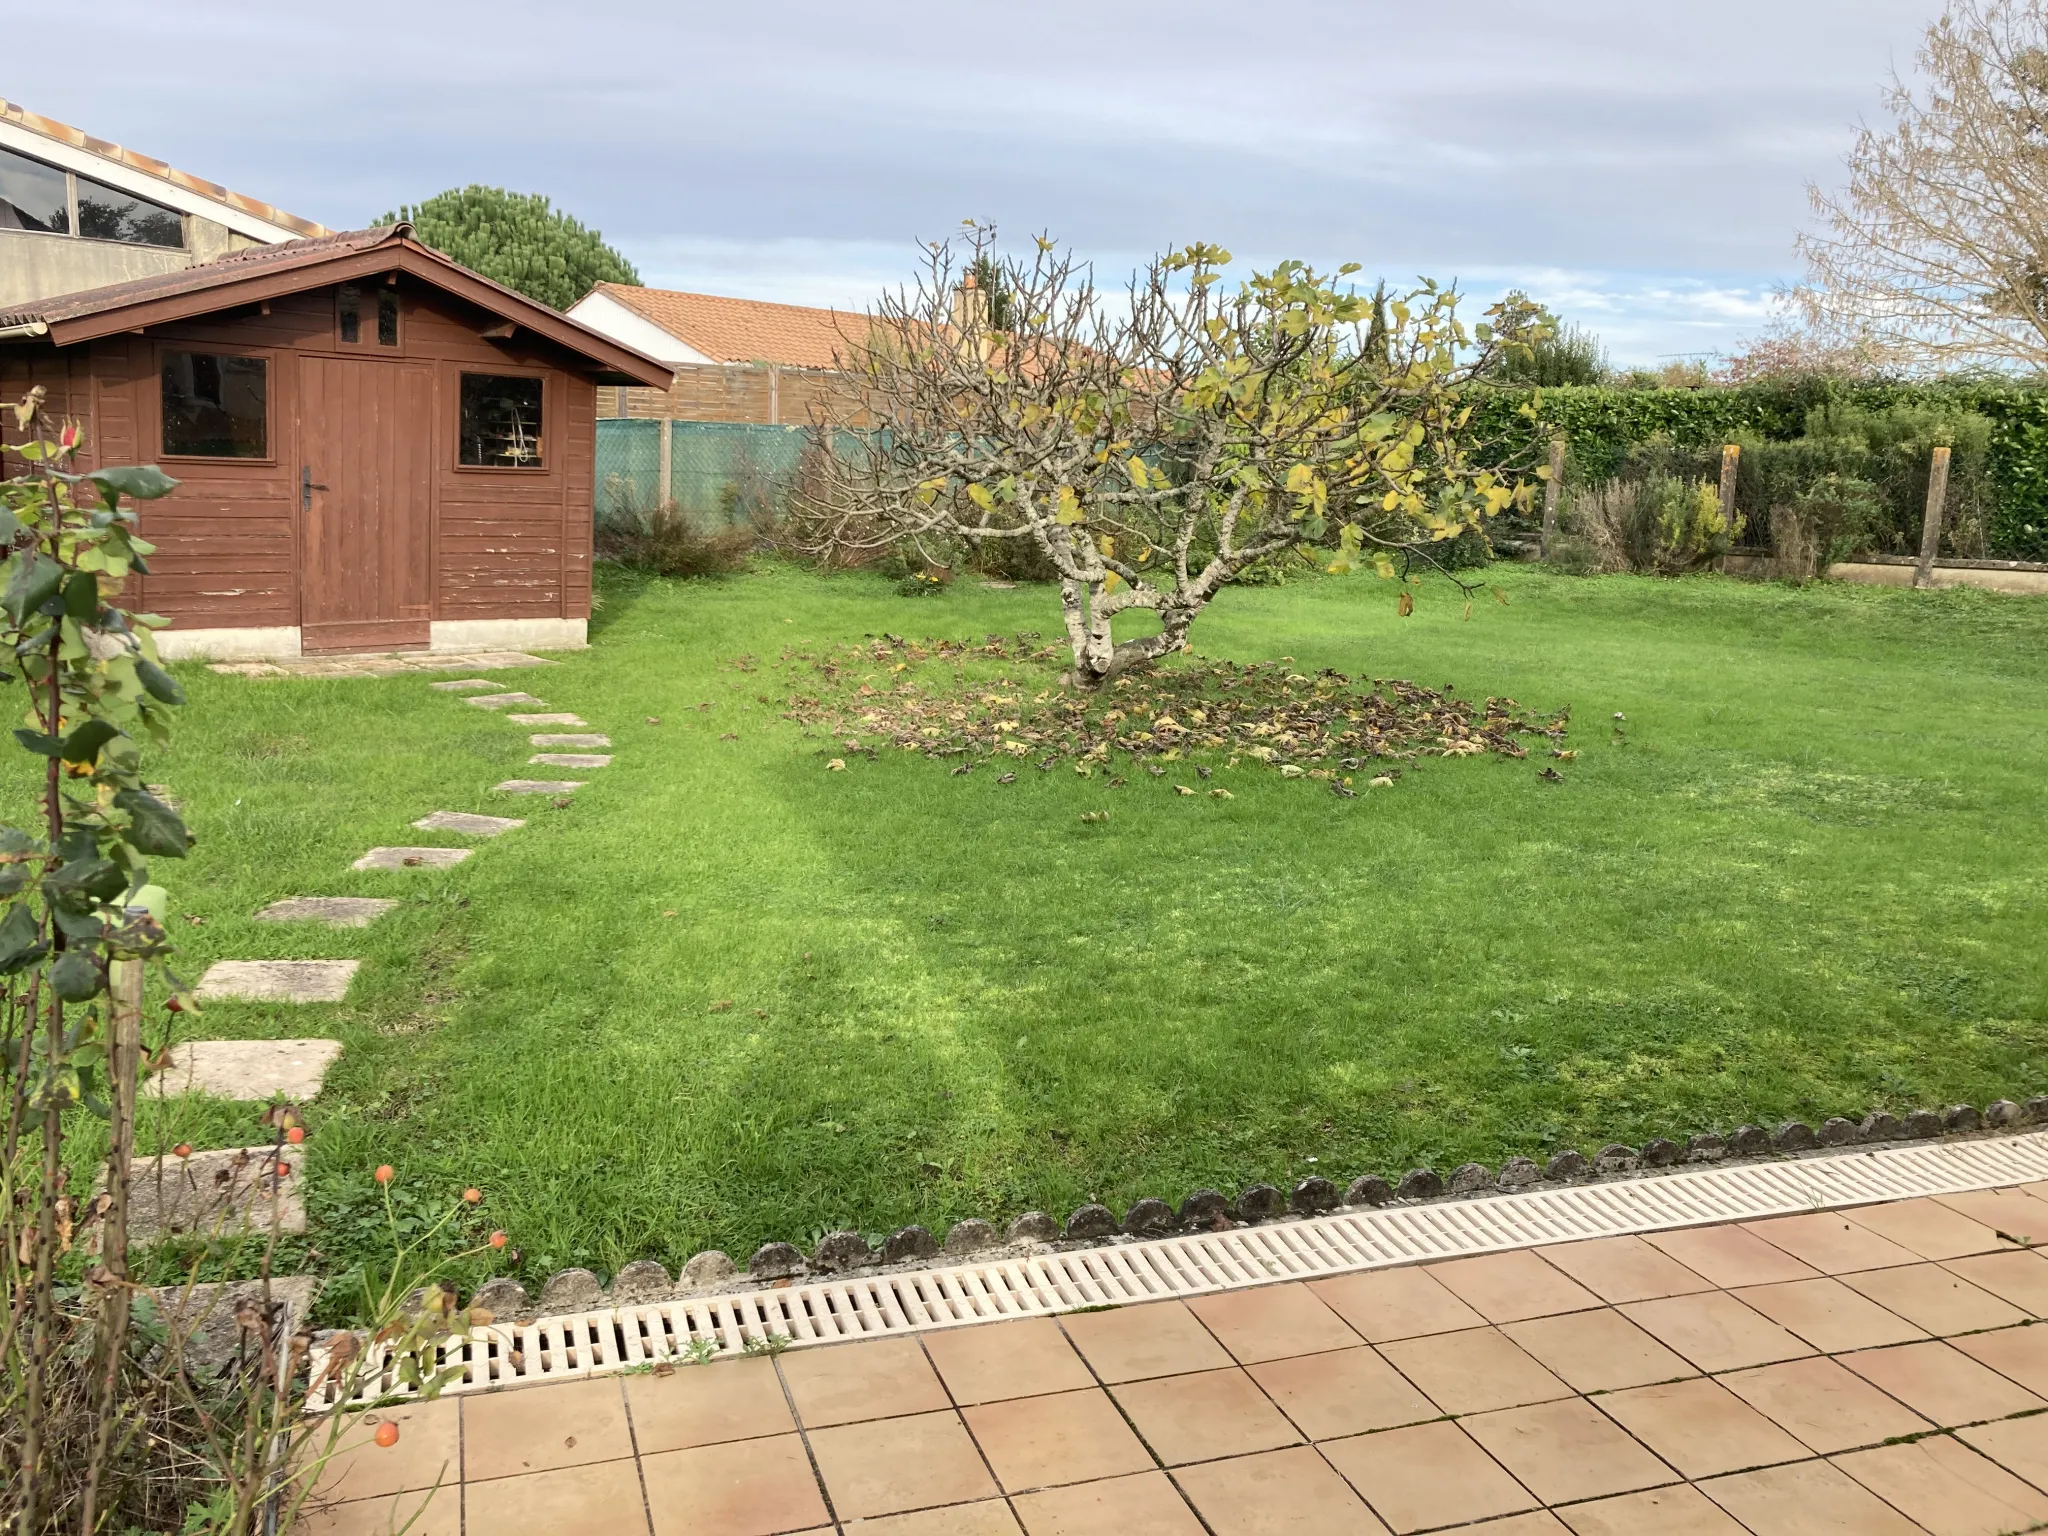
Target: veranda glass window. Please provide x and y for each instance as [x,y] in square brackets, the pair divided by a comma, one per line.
[501,421]
[51,201]
[33,195]
[216,406]
[108,213]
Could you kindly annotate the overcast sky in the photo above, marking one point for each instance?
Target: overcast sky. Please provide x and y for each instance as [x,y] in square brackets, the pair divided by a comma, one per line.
[1638,164]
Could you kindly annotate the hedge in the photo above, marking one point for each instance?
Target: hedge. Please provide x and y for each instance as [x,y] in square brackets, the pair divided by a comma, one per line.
[1601,424]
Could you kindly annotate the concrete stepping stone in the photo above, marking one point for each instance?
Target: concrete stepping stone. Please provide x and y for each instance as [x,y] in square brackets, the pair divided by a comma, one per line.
[277,981]
[216,1192]
[547,719]
[571,759]
[463,685]
[334,911]
[568,739]
[204,1314]
[411,858]
[464,821]
[501,700]
[247,1069]
[538,786]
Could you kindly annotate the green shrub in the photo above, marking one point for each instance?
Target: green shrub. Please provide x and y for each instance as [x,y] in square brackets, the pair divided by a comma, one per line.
[667,541]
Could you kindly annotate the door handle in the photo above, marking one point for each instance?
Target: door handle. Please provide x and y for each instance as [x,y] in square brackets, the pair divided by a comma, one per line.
[307,487]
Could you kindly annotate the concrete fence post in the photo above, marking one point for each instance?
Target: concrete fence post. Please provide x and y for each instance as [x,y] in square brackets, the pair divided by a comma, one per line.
[1930,524]
[1552,488]
[668,491]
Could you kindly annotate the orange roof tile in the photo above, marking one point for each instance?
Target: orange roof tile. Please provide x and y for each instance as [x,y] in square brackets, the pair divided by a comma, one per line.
[746,330]
[78,138]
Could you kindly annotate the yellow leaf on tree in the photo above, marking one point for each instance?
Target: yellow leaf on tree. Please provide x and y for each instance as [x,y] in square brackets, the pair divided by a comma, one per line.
[979,495]
[1069,508]
[1299,479]
[1138,474]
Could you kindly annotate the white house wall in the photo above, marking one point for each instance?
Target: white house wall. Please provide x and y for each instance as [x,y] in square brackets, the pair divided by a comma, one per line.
[607,316]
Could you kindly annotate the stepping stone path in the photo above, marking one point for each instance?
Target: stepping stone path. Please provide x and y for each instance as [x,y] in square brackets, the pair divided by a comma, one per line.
[571,759]
[547,720]
[205,1314]
[539,786]
[277,981]
[569,739]
[464,685]
[215,1192]
[501,700]
[334,911]
[247,1069]
[411,858]
[464,821]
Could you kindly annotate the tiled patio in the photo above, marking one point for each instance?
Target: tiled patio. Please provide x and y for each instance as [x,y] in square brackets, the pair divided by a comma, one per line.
[1866,1372]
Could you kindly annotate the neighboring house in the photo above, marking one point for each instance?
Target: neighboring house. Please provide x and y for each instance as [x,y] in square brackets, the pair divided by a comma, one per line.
[77,212]
[735,360]
[376,448]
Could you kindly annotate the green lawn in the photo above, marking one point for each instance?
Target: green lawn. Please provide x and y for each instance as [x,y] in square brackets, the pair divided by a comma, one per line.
[1810,883]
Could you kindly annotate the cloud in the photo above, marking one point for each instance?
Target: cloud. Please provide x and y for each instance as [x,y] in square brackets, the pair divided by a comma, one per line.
[1659,151]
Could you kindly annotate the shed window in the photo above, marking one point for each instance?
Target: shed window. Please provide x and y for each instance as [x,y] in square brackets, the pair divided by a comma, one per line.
[348,310]
[33,195]
[387,318]
[216,406]
[107,213]
[501,421]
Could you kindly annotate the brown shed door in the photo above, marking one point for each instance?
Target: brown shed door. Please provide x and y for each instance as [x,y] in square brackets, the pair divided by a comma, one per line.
[366,464]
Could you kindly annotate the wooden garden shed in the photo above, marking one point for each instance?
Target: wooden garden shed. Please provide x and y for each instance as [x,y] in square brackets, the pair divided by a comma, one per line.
[376,448]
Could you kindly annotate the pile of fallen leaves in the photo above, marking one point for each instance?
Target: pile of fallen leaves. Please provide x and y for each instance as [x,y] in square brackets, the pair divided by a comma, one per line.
[1003,700]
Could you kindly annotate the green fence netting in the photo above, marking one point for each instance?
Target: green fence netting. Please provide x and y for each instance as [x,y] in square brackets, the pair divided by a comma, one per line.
[718,472]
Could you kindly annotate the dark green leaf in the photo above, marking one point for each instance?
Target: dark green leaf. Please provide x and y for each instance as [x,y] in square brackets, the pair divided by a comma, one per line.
[38,743]
[77,975]
[19,936]
[82,596]
[160,683]
[144,482]
[13,878]
[32,580]
[10,525]
[83,881]
[153,827]
[78,926]
[83,745]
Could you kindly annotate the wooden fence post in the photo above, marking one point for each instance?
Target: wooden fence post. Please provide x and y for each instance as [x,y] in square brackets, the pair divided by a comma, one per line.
[1930,525]
[667,493]
[1731,461]
[1551,491]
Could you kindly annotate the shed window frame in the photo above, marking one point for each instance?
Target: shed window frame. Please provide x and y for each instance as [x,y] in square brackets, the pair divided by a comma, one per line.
[548,408]
[272,378]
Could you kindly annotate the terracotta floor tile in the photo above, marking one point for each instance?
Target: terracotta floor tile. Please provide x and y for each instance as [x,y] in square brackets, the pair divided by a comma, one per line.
[1427,1475]
[705,1404]
[2018,1445]
[440,1516]
[2010,1211]
[1940,1382]
[1624,1269]
[1201,1417]
[1828,1315]
[598,1500]
[1929,1228]
[429,1451]
[1271,1322]
[1828,1408]
[1565,1451]
[1680,1510]
[1474,1371]
[1700,1427]
[2018,1353]
[1070,1437]
[1947,1487]
[1026,1358]
[2020,1277]
[1830,1242]
[1730,1256]
[1507,1287]
[1597,1351]
[1395,1304]
[1807,1499]
[992,1517]
[1538,1522]
[1160,1338]
[1714,1331]
[1935,1299]
[1343,1392]
[531,1429]
[886,1466]
[1278,1493]
[846,1383]
[745,1488]
[1122,1506]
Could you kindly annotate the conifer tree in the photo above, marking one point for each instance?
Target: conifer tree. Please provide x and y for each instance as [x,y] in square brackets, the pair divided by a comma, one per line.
[518,239]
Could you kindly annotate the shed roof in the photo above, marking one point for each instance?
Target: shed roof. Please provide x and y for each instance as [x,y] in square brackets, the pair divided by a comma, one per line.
[77,138]
[746,330]
[268,271]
